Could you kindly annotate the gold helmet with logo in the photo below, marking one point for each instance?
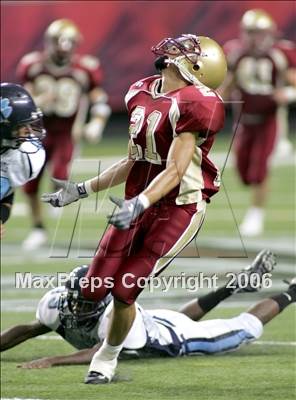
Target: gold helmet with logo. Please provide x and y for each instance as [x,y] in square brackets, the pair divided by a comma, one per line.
[61,39]
[199,59]
[63,28]
[257,19]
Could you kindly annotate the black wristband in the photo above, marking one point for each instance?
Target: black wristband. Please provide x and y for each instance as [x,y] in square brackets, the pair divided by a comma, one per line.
[4,212]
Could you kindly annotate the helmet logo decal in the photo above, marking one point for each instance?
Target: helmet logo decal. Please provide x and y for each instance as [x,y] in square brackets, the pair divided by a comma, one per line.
[6,109]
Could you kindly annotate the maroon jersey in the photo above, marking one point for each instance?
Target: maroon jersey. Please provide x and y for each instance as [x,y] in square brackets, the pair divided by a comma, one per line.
[67,87]
[155,119]
[256,77]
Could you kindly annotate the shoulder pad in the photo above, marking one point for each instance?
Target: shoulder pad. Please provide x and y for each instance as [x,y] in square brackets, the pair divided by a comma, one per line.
[144,83]
[194,93]
[89,62]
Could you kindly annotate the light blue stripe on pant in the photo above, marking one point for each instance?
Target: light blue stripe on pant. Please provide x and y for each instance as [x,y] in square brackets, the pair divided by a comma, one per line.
[226,342]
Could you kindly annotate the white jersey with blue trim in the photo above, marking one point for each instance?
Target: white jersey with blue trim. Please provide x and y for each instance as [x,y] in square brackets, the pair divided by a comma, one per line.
[21,165]
[158,332]
[170,333]
[48,314]
[144,325]
[190,337]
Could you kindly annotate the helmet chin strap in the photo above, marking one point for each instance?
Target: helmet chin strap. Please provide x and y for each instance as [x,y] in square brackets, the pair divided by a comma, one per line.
[188,76]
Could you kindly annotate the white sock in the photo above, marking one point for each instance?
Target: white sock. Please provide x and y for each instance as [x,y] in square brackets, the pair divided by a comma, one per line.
[105,359]
[107,352]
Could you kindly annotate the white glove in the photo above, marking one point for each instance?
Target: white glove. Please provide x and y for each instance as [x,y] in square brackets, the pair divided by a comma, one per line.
[93,131]
[128,211]
[68,193]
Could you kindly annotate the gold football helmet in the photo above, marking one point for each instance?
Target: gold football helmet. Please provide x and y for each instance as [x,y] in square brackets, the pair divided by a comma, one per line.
[61,39]
[199,59]
[257,20]
[63,28]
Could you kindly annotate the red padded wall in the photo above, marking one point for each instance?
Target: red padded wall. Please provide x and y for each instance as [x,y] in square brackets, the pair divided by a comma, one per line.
[122,32]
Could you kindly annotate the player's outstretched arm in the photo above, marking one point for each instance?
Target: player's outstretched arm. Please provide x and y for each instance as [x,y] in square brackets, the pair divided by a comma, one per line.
[20,333]
[70,192]
[179,158]
[79,357]
[100,111]
[287,94]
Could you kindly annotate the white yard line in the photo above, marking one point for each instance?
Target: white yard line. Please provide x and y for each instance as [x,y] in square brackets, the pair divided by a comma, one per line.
[17,398]
[49,337]
[273,343]
[167,301]
[282,246]
[221,214]
[258,342]
[83,165]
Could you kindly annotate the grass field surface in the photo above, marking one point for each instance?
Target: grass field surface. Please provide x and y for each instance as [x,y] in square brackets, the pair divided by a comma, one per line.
[262,371]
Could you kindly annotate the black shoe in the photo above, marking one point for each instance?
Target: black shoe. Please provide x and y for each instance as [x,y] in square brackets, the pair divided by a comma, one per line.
[263,264]
[127,354]
[96,378]
[291,283]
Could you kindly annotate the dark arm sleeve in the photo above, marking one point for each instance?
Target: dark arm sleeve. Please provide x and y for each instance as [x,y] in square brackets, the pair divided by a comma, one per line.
[5,207]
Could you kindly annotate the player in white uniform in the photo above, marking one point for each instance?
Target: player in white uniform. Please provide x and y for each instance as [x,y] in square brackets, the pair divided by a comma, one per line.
[84,323]
[22,154]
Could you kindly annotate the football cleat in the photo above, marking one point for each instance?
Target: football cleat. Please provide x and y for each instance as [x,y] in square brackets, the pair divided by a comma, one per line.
[291,283]
[264,263]
[127,354]
[37,238]
[100,371]
[253,223]
[96,378]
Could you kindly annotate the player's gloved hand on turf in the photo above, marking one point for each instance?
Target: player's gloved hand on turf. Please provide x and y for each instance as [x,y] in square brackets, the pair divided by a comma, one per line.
[128,211]
[68,193]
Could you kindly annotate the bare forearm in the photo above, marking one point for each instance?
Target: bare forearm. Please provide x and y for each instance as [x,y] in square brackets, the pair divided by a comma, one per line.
[113,176]
[80,357]
[179,157]
[13,336]
[18,334]
[291,77]
[162,184]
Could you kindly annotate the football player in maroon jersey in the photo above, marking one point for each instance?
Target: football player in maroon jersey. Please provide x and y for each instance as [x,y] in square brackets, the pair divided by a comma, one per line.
[262,82]
[174,118]
[65,86]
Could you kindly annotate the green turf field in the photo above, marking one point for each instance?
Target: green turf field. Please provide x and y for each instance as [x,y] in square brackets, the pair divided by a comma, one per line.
[262,371]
